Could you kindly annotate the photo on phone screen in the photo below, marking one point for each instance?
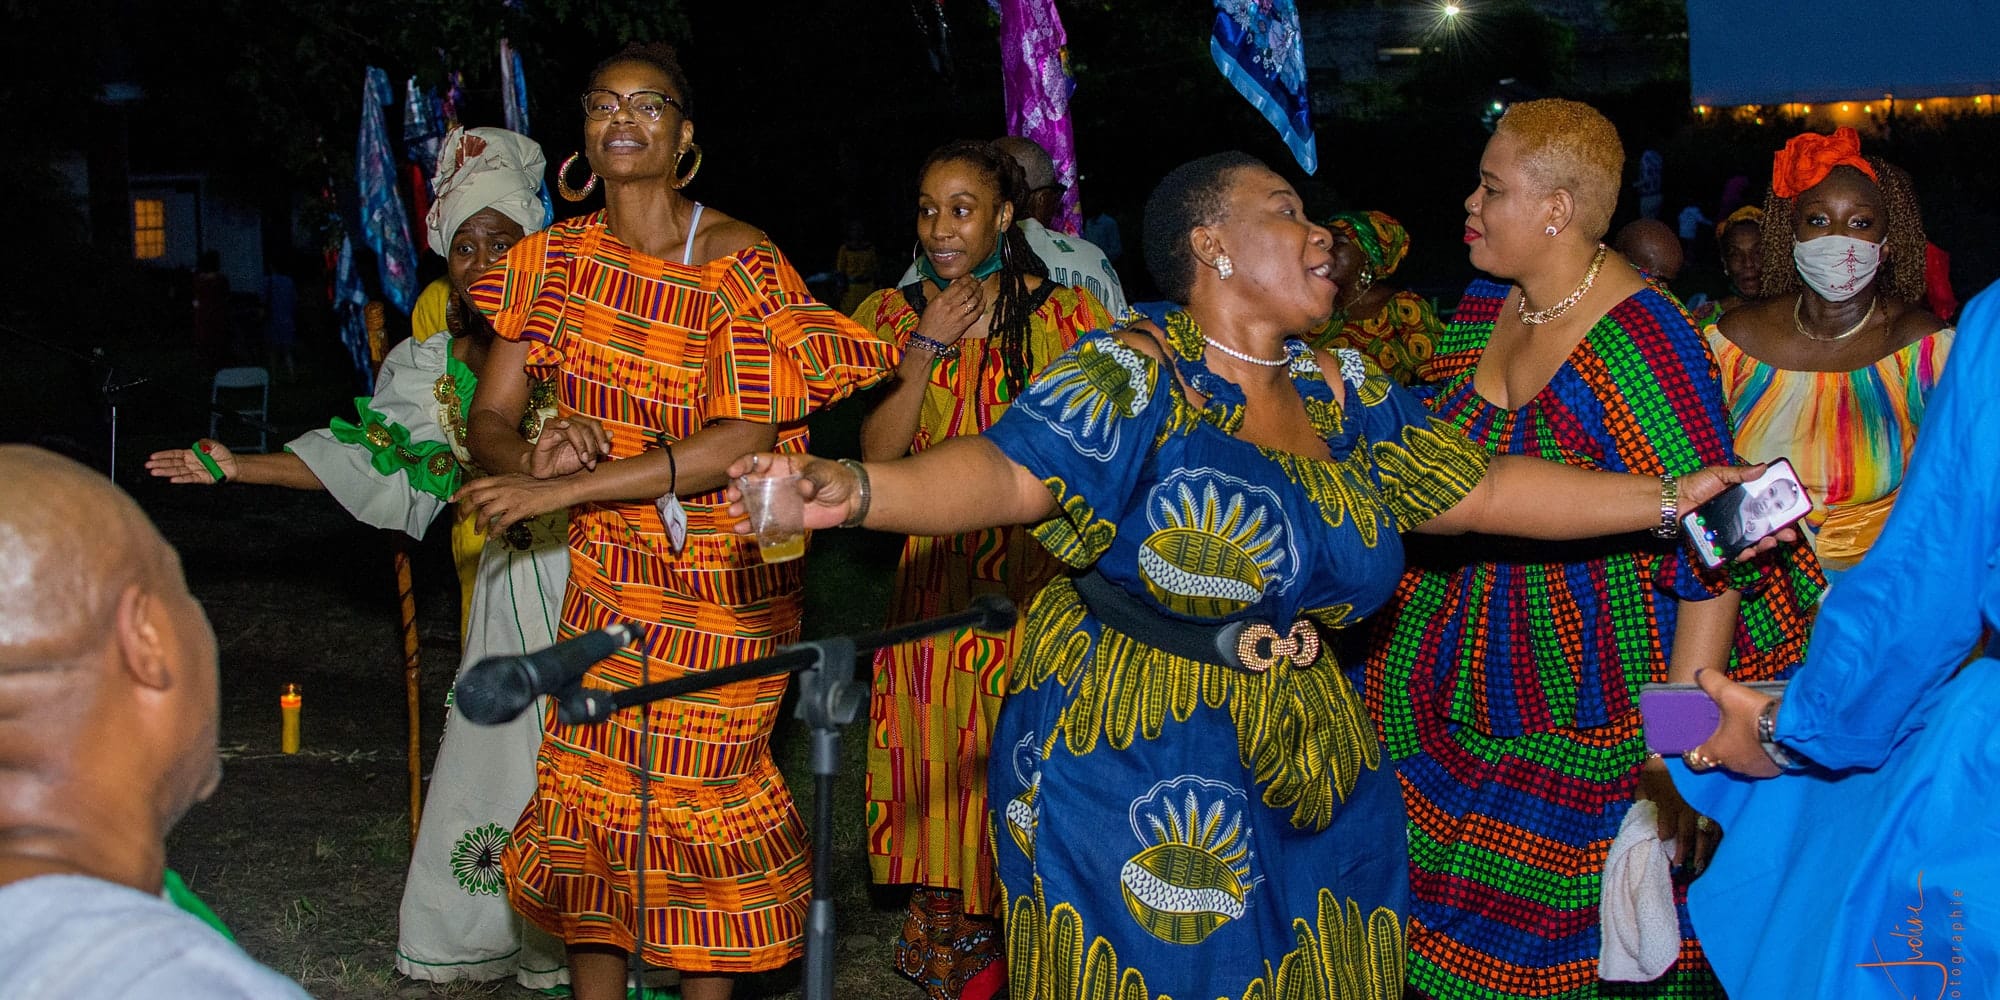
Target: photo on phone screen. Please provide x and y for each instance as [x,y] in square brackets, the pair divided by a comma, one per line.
[1742,515]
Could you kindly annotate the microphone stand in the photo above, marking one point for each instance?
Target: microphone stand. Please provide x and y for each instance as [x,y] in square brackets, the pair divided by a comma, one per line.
[830,696]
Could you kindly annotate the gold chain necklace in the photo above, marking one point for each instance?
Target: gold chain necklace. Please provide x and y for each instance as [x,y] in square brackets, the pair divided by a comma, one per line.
[1799,321]
[1555,312]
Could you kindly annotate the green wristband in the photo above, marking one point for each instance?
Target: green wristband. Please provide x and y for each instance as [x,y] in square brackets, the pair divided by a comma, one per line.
[201,454]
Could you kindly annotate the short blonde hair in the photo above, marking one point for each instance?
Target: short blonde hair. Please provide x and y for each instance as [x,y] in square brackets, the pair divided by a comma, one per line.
[1570,145]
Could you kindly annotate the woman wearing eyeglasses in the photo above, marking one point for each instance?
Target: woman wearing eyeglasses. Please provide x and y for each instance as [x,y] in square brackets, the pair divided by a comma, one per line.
[679,339]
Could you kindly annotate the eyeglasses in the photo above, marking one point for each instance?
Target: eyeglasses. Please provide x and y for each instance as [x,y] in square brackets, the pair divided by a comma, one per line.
[647,105]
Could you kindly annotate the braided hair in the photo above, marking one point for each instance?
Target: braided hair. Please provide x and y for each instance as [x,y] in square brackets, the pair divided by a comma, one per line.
[1904,278]
[1014,307]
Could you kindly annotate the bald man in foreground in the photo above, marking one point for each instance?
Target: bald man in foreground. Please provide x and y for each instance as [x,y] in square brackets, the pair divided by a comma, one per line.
[108,712]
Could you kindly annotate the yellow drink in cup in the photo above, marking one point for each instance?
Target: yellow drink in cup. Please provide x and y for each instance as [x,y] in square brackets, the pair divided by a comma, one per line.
[777,516]
[782,550]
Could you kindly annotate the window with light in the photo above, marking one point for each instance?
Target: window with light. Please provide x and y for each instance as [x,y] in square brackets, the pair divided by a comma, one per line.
[149,228]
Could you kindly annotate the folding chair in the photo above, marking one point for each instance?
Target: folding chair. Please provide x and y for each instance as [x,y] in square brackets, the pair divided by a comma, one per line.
[237,381]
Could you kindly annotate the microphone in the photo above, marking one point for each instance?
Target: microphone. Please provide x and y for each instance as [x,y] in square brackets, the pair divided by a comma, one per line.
[498,688]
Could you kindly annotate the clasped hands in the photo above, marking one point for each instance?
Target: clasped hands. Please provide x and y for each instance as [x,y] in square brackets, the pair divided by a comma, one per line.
[567,445]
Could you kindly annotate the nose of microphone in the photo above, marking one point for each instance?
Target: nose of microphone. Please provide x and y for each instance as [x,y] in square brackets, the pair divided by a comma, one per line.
[495,691]
[997,613]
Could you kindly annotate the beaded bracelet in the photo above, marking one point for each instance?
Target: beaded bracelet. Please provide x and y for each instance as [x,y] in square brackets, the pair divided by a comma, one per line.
[942,350]
[860,493]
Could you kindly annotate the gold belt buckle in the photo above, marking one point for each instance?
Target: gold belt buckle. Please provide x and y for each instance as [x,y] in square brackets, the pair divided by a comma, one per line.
[1259,647]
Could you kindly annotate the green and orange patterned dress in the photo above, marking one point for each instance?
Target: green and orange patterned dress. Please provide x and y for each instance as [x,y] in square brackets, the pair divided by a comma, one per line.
[656,347]
[931,717]
[1505,675]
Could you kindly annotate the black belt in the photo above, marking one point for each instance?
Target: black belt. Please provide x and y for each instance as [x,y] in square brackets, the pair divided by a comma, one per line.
[1251,646]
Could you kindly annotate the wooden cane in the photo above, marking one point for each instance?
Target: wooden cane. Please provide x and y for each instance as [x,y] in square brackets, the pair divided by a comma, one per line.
[406,598]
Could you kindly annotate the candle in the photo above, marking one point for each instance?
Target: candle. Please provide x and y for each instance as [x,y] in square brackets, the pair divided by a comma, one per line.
[289,704]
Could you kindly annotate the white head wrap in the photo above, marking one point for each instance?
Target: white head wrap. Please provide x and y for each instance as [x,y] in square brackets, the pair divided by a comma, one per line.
[481,168]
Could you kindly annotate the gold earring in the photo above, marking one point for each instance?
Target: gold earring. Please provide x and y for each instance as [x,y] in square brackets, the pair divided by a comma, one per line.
[562,181]
[683,180]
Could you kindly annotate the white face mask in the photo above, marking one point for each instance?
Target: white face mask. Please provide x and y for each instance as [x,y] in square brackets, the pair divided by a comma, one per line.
[1837,266]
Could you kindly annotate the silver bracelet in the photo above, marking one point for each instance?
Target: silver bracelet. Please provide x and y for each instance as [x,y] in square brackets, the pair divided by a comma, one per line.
[1670,506]
[1767,737]
[860,493]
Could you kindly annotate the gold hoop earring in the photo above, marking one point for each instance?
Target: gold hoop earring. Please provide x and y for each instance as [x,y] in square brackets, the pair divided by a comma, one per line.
[683,180]
[562,181]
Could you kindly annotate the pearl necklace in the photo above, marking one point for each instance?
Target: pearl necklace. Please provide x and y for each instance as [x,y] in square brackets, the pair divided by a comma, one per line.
[1799,321]
[1555,312]
[1240,356]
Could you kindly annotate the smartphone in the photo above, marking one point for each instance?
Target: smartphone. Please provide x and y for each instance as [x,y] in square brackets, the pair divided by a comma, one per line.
[1742,515]
[1680,716]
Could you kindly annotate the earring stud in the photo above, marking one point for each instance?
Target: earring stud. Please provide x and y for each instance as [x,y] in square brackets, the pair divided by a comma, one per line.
[1224,267]
[1551,230]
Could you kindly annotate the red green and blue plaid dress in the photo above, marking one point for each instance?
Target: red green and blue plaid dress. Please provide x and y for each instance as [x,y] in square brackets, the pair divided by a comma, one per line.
[1505,675]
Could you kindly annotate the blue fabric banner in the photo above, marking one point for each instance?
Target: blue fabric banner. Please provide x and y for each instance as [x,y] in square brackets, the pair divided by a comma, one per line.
[1258,47]
[384,222]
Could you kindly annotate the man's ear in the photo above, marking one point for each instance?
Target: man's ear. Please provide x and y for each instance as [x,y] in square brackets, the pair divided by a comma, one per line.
[142,638]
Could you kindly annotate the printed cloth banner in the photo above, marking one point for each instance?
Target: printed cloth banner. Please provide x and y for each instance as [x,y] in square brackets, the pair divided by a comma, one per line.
[1035,68]
[383,220]
[513,90]
[1258,47]
[350,302]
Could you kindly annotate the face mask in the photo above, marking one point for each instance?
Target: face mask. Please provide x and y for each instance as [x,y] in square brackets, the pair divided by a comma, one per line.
[984,270]
[1837,266]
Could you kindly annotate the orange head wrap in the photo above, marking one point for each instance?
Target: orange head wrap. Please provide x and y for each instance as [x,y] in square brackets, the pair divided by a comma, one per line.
[1809,157]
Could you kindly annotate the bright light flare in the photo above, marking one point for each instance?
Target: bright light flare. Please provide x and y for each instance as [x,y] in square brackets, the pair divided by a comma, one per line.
[1451,10]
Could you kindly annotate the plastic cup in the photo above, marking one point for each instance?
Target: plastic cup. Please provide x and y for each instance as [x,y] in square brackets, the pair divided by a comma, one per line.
[777,516]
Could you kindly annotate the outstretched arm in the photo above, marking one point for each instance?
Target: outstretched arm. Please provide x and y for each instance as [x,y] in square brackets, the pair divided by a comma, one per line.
[182,465]
[1532,498]
[963,484]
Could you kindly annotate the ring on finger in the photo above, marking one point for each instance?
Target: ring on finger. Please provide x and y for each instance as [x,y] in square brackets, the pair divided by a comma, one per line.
[1704,824]
[1697,761]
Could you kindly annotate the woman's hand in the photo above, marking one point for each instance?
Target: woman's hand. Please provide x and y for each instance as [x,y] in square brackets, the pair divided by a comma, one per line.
[497,503]
[1693,834]
[568,444]
[1734,743]
[1705,484]
[828,486]
[953,312]
[180,465]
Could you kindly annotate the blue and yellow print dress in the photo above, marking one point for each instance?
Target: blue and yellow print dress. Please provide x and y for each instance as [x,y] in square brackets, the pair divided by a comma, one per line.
[1169,827]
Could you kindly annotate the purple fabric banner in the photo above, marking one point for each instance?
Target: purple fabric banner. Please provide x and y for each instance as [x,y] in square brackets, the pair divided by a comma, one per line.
[1035,68]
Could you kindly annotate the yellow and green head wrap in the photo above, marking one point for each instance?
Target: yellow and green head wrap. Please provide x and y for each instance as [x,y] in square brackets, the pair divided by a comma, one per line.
[1380,237]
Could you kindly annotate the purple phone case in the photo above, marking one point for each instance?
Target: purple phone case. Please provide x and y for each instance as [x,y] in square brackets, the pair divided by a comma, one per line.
[1677,718]
[1680,716]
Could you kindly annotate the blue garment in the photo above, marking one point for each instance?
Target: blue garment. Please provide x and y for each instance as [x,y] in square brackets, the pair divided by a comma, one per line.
[1880,877]
[1259,49]
[1194,827]
[384,223]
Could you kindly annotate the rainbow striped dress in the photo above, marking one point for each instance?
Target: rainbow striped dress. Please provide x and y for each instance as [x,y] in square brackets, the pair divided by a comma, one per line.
[1847,434]
[649,347]
[1505,675]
